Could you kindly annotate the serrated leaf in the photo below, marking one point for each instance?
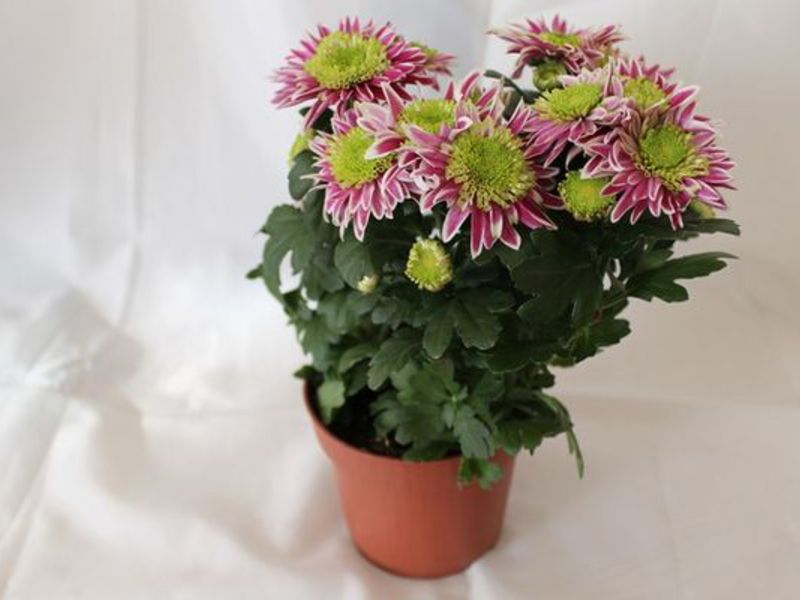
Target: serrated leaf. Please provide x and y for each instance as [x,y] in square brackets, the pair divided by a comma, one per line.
[287,232]
[475,325]
[353,261]
[438,332]
[355,354]
[394,353]
[300,181]
[660,282]
[330,396]
[481,471]
[474,437]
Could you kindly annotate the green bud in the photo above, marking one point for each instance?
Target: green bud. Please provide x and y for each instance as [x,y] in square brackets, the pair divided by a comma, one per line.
[368,283]
[702,209]
[546,75]
[429,265]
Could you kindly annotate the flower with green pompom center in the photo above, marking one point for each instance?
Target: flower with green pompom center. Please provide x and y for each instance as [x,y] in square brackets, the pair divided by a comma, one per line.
[490,168]
[429,265]
[584,198]
[570,103]
[350,166]
[345,59]
[429,114]
[300,143]
[668,152]
[560,39]
[368,283]
[547,75]
[644,92]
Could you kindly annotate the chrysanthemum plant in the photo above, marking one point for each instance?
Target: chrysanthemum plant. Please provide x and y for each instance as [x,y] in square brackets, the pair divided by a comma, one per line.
[452,245]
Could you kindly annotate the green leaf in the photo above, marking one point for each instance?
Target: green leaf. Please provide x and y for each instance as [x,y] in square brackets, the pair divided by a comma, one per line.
[474,437]
[514,435]
[483,471]
[330,396]
[355,354]
[438,332]
[316,338]
[712,226]
[472,316]
[660,282]
[299,175]
[392,356]
[287,232]
[557,279]
[511,356]
[352,259]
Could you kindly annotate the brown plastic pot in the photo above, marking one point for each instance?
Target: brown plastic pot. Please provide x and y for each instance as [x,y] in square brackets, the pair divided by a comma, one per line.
[412,518]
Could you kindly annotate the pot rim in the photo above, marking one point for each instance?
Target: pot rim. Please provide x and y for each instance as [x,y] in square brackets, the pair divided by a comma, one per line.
[321,427]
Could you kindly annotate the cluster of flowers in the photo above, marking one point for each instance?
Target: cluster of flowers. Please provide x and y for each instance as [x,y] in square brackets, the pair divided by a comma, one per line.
[606,136]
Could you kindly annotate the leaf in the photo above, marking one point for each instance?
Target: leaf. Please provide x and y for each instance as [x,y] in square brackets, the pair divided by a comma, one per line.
[557,280]
[483,471]
[712,226]
[511,356]
[300,181]
[438,332]
[660,282]
[514,435]
[473,435]
[355,354]
[392,356]
[353,261]
[286,231]
[316,338]
[472,316]
[330,396]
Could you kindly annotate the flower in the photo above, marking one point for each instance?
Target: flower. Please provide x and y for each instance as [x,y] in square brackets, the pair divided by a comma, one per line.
[661,161]
[429,265]
[650,87]
[388,122]
[368,283]
[435,61]
[357,187]
[479,167]
[576,112]
[576,49]
[354,62]
[585,198]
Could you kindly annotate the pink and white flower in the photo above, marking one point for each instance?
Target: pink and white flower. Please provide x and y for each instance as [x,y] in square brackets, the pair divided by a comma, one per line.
[652,86]
[536,41]
[479,169]
[659,162]
[357,188]
[355,62]
[588,103]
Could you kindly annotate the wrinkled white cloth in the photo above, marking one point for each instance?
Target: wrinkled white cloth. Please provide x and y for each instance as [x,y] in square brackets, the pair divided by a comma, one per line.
[152,441]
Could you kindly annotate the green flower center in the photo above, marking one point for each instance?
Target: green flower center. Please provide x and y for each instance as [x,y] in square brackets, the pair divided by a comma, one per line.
[547,74]
[584,198]
[667,152]
[345,59]
[490,168]
[644,92]
[429,265]
[558,38]
[569,103]
[429,115]
[349,163]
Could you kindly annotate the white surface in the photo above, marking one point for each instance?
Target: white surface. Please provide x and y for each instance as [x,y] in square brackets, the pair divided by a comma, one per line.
[152,441]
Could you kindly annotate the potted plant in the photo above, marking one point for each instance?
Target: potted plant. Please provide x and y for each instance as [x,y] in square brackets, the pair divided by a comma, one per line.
[450,248]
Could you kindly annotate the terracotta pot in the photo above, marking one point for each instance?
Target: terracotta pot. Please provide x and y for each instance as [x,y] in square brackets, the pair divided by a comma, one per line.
[411,518]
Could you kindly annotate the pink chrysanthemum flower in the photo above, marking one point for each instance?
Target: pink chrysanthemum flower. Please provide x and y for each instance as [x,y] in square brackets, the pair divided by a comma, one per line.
[388,122]
[572,114]
[352,63]
[437,62]
[651,86]
[660,161]
[478,167]
[537,41]
[357,188]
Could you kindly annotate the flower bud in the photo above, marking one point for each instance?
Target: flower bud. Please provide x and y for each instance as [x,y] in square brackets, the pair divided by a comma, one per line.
[429,265]
[584,198]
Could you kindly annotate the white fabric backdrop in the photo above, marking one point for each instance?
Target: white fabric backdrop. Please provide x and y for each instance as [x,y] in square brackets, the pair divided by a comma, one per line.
[152,441]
